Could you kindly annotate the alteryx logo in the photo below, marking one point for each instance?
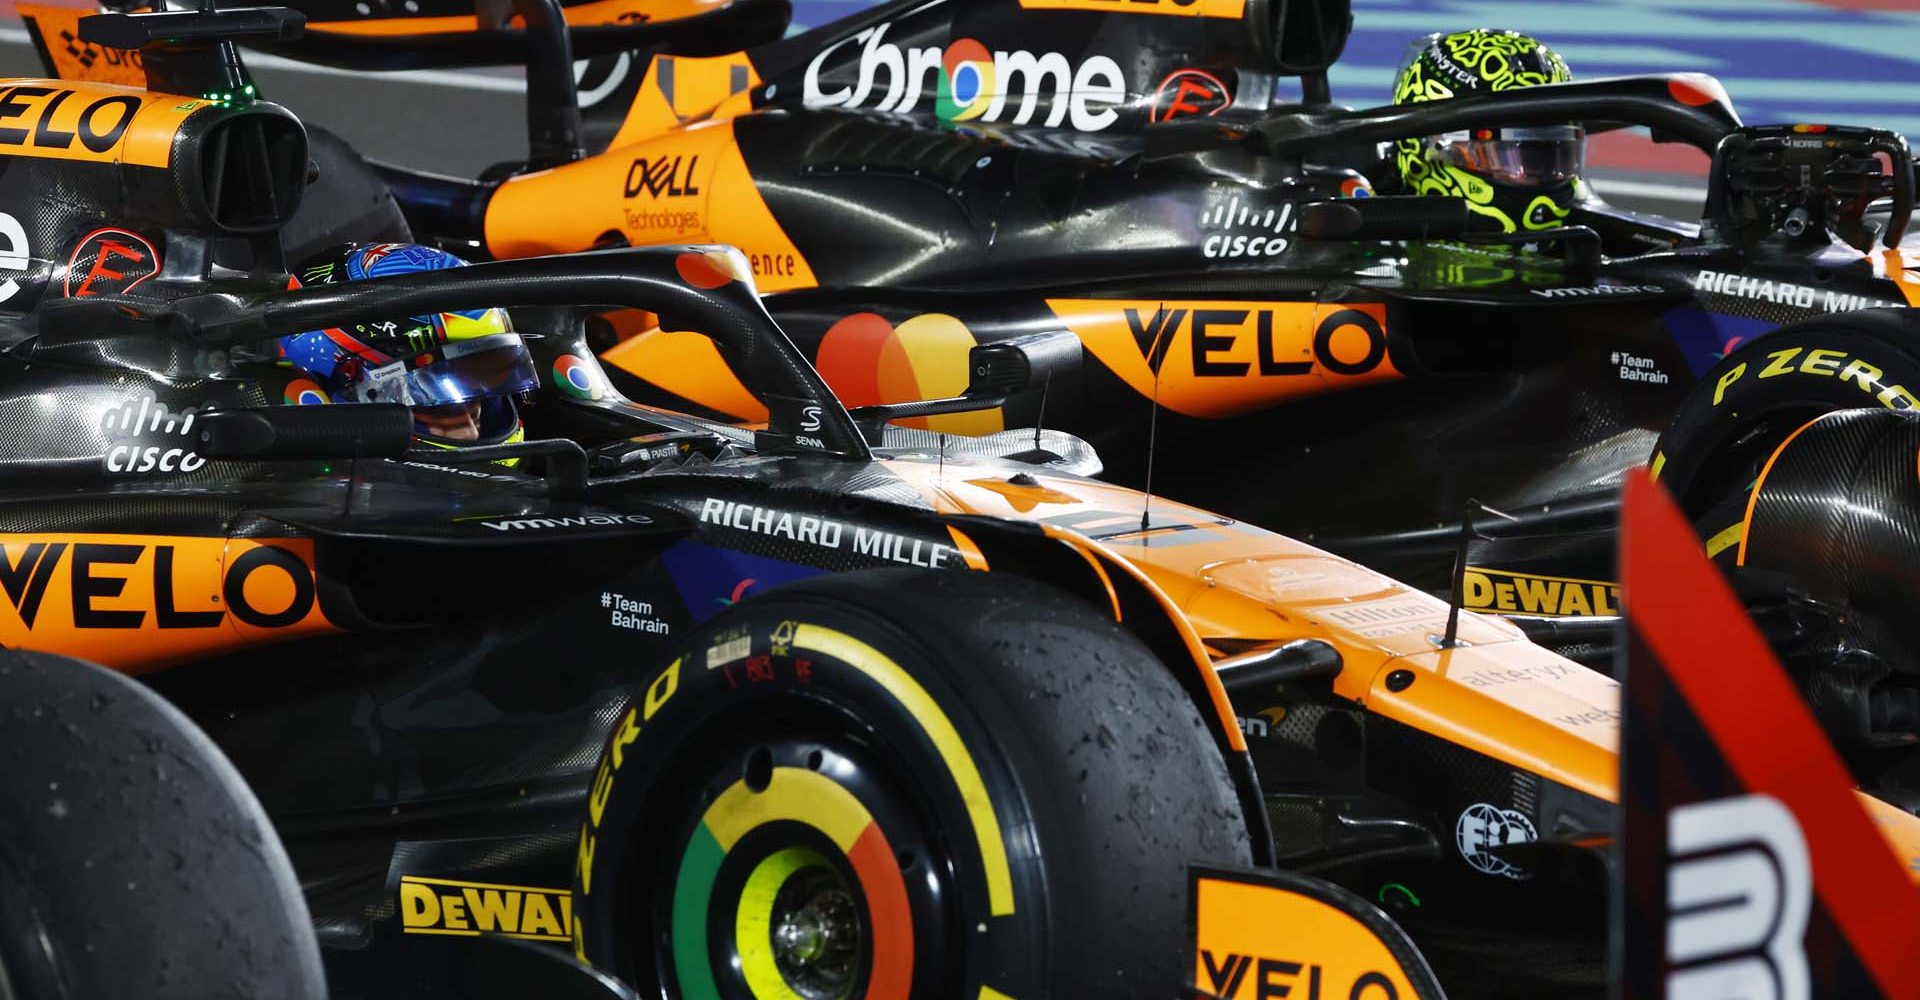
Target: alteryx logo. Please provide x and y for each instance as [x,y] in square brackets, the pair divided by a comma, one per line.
[967,82]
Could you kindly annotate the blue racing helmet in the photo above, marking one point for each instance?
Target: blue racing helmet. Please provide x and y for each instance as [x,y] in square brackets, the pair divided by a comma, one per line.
[459,371]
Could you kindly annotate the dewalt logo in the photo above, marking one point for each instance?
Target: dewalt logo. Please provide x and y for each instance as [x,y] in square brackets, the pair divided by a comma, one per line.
[443,906]
[1527,594]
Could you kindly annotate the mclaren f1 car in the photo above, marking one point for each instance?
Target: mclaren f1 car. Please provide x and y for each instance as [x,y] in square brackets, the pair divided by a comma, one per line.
[826,707]
[919,178]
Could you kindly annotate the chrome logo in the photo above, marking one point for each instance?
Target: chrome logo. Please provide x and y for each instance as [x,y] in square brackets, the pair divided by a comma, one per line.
[575,377]
[304,392]
[967,84]
[868,360]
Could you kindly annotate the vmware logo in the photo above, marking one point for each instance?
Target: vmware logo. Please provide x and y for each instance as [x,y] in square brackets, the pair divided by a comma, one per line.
[966,82]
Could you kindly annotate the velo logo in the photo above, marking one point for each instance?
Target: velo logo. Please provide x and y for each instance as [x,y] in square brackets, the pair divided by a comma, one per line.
[970,83]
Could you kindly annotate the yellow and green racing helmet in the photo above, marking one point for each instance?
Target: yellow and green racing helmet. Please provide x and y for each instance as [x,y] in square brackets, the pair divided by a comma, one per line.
[1525,179]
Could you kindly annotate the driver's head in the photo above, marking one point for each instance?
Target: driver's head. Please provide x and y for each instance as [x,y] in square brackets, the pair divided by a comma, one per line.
[459,371]
[1523,178]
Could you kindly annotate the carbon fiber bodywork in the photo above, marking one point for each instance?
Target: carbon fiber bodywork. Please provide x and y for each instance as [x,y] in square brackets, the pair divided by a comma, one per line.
[414,657]
[1215,323]
[415,661]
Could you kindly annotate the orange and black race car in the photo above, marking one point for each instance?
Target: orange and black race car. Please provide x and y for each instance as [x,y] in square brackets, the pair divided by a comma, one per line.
[827,707]
[919,178]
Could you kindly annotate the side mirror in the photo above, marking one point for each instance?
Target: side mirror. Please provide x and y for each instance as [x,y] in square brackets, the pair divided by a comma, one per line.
[358,430]
[995,373]
[1030,361]
[368,430]
[1396,217]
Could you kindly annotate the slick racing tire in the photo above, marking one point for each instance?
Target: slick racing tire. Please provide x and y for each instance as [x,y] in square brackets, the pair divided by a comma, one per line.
[896,784]
[134,862]
[1727,428]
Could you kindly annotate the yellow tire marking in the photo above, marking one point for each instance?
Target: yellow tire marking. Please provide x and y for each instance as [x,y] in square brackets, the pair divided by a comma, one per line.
[946,740]
[1726,538]
[793,793]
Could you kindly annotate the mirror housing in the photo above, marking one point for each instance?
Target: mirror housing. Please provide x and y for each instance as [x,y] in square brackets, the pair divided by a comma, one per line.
[995,373]
[358,430]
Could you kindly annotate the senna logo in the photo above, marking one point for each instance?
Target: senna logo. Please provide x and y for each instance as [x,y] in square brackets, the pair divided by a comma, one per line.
[1525,593]
[443,906]
[1219,359]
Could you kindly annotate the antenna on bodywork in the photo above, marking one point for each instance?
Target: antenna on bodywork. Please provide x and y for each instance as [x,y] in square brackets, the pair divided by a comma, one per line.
[1153,434]
[1468,532]
[1040,418]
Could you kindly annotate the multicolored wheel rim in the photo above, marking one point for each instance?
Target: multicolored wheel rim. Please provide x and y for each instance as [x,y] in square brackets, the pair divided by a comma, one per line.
[808,842]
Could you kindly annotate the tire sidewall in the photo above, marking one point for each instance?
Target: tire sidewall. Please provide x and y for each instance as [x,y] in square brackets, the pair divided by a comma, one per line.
[1762,391]
[1018,953]
[707,705]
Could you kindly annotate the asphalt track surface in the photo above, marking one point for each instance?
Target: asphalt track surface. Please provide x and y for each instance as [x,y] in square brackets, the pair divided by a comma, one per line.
[1849,61]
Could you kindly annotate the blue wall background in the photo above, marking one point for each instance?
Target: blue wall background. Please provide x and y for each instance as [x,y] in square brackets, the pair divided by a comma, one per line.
[1783,60]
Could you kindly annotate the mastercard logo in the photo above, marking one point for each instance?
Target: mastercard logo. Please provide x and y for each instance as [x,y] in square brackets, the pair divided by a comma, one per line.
[967,84]
[305,392]
[575,377]
[867,360]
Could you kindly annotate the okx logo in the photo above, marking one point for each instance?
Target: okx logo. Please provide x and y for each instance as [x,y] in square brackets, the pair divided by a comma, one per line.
[967,82]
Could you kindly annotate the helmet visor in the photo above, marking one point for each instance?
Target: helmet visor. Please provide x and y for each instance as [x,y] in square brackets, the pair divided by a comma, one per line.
[1525,157]
[465,370]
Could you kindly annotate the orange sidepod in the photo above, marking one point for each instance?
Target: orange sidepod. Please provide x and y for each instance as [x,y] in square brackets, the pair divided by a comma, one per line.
[141,602]
[1212,359]
[690,186]
[98,122]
